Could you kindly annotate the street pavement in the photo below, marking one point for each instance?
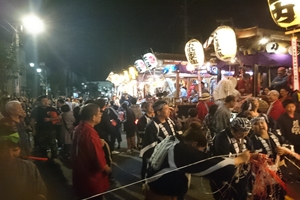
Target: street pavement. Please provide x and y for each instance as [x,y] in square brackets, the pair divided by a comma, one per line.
[126,184]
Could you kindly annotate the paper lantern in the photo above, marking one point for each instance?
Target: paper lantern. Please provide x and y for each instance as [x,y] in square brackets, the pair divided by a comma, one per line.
[285,13]
[225,43]
[190,67]
[140,66]
[194,52]
[150,60]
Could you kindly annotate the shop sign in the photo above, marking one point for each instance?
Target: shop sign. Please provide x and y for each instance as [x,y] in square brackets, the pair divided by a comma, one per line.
[285,13]
[295,63]
[272,47]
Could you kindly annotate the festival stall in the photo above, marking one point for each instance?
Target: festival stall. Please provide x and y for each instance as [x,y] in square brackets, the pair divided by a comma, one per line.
[171,72]
[261,53]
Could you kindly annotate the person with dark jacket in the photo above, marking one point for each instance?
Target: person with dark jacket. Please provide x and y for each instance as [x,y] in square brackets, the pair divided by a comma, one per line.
[289,124]
[233,141]
[160,127]
[267,142]
[129,127]
[144,120]
[116,122]
[142,124]
[105,128]
[188,156]
[43,125]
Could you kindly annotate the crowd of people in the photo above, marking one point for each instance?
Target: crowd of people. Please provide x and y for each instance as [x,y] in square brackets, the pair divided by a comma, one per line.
[230,152]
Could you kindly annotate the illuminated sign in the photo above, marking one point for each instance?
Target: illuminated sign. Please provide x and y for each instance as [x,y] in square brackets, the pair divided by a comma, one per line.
[285,13]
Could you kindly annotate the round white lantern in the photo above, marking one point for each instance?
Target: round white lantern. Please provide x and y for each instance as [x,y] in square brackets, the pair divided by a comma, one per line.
[194,52]
[225,43]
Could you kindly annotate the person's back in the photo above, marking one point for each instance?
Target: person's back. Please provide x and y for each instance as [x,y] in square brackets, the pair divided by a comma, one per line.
[136,108]
[20,179]
[192,112]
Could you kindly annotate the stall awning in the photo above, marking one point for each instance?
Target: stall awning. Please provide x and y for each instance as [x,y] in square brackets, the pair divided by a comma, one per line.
[263,59]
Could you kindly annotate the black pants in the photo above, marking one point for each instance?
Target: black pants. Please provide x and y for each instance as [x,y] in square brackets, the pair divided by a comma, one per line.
[116,135]
[46,139]
[144,167]
[58,135]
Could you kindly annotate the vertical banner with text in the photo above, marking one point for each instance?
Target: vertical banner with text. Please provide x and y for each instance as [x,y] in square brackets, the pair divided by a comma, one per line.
[295,63]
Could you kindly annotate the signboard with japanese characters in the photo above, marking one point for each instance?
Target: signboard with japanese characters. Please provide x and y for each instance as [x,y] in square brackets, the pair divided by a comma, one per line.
[140,66]
[295,63]
[150,60]
[285,13]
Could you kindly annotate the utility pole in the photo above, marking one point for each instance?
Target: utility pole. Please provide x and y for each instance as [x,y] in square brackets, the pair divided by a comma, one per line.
[185,22]
[16,81]
[226,21]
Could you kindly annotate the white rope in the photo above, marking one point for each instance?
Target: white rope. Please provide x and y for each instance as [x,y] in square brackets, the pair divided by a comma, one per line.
[292,162]
[159,175]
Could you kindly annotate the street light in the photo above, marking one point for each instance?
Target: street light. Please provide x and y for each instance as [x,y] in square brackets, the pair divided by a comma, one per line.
[33,24]
[31,64]
[39,70]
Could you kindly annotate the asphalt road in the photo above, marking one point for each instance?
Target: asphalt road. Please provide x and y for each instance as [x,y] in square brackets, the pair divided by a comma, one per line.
[126,185]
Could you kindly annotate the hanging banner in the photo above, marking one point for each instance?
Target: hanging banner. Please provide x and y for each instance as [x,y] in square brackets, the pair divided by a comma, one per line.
[194,52]
[150,60]
[285,13]
[295,63]
[140,66]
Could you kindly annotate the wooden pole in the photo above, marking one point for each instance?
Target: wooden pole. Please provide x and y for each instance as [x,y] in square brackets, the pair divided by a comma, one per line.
[199,84]
[255,80]
[177,84]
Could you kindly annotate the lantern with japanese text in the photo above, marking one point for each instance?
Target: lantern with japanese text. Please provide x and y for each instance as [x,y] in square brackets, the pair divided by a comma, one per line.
[150,60]
[194,53]
[140,66]
[285,13]
[225,43]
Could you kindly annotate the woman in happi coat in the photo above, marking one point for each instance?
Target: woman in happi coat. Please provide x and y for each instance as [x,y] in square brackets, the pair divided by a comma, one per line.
[266,142]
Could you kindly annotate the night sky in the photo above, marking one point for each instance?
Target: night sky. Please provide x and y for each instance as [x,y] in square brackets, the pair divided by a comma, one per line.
[109,35]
